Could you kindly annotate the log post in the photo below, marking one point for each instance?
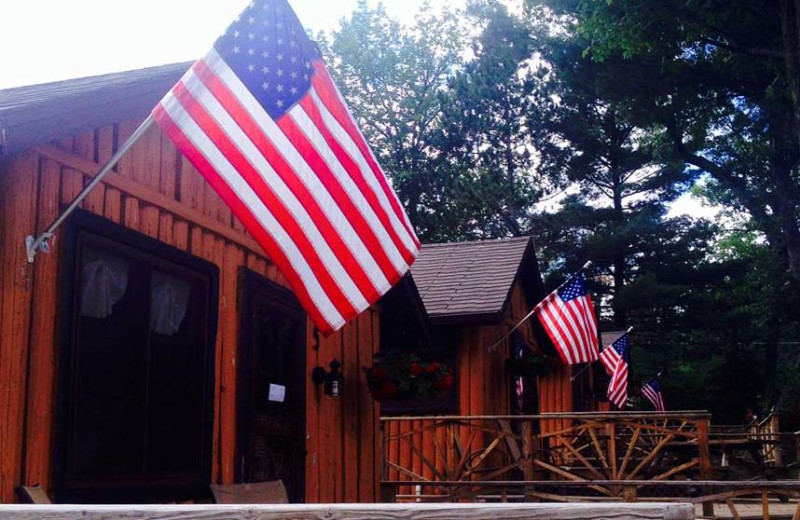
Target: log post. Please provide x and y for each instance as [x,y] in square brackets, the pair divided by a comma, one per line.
[705,459]
[529,453]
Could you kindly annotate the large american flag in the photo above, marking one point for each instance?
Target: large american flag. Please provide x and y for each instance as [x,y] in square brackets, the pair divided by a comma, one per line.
[261,119]
[567,315]
[652,392]
[618,353]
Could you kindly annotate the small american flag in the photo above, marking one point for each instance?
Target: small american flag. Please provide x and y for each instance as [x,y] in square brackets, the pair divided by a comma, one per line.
[567,315]
[261,119]
[619,353]
[652,392]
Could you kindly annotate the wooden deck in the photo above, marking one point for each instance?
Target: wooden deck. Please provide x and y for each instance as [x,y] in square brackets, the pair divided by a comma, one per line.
[750,510]
[616,511]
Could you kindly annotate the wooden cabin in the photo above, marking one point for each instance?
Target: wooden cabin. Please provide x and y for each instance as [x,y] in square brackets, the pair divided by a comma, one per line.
[156,349]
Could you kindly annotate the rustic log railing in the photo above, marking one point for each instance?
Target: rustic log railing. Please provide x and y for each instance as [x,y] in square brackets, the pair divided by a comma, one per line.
[355,512]
[446,453]
[759,443]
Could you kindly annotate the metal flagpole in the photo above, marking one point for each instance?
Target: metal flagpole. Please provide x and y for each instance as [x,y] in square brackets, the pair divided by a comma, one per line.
[584,369]
[40,243]
[523,320]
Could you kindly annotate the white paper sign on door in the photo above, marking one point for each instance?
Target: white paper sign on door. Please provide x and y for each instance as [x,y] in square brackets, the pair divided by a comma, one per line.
[277,393]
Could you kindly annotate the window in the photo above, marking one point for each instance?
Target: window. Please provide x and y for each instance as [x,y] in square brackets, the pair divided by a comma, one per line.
[136,380]
[405,330]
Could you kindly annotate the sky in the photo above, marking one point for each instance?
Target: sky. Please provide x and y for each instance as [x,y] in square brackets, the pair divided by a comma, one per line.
[51,40]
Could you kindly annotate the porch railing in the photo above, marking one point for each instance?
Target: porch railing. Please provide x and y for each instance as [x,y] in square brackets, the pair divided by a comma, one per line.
[445,456]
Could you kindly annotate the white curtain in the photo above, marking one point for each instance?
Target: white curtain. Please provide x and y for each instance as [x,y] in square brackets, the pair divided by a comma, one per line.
[170,301]
[104,280]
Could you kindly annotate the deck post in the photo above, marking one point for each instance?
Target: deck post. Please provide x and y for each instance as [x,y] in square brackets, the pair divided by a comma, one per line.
[528,451]
[705,459]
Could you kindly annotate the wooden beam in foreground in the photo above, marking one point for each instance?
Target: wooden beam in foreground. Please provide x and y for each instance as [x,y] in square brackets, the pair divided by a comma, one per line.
[617,511]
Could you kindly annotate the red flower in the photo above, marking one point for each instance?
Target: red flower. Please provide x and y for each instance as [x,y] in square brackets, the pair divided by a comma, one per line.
[415,369]
[433,367]
[378,375]
[445,383]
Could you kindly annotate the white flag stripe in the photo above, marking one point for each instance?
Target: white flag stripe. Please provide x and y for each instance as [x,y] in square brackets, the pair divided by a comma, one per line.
[257,160]
[575,317]
[303,171]
[212,154]
[344,140]
[572,332]
[369,150]
[554,335]
[588,313]
[567,339]
[300,117]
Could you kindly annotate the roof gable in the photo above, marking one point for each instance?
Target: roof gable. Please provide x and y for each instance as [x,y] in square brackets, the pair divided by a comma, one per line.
[36,114]
[463,281]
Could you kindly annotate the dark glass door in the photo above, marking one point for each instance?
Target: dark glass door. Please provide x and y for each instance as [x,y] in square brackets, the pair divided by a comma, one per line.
[271,386]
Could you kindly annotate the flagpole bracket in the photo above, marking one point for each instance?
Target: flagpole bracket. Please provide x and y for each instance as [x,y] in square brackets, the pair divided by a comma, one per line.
[35,244]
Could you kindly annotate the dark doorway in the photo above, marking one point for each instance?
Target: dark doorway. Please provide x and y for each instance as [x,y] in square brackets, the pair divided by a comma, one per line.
[271,395]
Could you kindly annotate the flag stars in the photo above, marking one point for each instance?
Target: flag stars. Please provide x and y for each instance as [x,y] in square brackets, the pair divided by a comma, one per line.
[251,36]
[251,20]
[294,91]
[265,70]
[265,54]
[236,33]
[279,103]
[293,75]
[237,50]
[251,68]
[251,52]
[279,88]
[265,85]
[280,57]
[280,73]
[265,39]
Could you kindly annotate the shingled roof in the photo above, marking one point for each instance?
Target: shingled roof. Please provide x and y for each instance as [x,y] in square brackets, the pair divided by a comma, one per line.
[461,281]
[38,113]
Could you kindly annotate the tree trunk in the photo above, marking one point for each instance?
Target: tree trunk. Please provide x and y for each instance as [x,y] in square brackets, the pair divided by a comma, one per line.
[620,253]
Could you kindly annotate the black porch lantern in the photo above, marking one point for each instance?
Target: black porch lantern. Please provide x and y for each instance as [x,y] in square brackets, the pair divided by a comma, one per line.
[333,380]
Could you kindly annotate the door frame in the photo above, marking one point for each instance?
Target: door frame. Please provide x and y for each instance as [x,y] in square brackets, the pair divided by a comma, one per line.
[253,285]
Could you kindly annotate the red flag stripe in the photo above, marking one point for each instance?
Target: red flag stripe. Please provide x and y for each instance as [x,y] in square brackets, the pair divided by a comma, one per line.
[372,189]
[299,233]
[390,270]
[274,246]
[330,96]
[559,333]
[577,320]
[249,103]
[354,173]
[291,178]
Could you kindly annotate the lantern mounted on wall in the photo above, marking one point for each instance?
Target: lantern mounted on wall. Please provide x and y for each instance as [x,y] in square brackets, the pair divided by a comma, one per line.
[333,379]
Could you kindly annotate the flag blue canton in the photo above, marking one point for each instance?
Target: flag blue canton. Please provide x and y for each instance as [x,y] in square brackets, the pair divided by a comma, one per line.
[655,385]
[622,346]
[270,52]
[574,289]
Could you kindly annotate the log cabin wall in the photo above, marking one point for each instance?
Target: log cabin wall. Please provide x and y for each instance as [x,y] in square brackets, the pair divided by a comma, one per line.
[156,192]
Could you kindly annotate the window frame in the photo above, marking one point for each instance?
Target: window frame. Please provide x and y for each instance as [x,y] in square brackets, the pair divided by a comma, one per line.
[82,227]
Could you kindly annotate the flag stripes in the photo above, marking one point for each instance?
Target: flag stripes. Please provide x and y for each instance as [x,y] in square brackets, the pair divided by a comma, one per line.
[306,186]
[567,315]
[652,392]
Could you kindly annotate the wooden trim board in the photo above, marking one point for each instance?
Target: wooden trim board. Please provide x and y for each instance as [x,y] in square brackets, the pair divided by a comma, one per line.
[618,511]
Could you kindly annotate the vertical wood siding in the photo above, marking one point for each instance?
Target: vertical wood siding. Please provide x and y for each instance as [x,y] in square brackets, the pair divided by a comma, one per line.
[155,191]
